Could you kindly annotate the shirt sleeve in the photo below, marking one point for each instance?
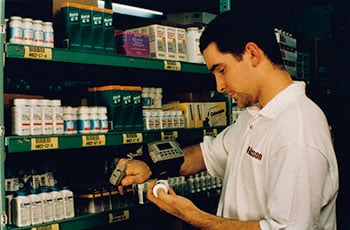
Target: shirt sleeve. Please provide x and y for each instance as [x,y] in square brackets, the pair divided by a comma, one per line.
[215,154]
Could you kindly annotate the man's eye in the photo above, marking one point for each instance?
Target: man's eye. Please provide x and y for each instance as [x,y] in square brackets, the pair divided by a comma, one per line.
[221,71]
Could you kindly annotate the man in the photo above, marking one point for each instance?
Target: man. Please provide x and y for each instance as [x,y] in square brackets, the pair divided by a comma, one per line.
[277,161]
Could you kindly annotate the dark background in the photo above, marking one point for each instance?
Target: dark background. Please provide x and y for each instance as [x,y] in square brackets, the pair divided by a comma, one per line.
[322,29]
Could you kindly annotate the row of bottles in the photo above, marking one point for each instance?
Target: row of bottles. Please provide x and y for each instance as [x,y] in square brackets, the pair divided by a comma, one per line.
[39,206]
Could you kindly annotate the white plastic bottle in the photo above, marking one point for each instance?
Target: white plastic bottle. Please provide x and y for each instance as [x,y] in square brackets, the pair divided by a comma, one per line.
[57,117]
[148,121]
[146,99]
[160,184]
[21,117]
[84,124]
[94,120]
[21,209]
[36,213]
[58,208]
[35,117]
[68,202]
[16,30]
[38,33]
[47,205]
[68,123]
[158,98]
[181,119]
[103,119]
[192,47]
[48,34]
[47,117]
[27,24]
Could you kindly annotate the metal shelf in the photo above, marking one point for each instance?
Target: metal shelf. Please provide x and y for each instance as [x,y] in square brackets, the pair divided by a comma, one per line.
[100,58]
[17,144]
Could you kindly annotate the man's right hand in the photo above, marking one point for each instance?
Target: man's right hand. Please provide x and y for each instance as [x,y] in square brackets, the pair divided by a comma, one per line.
[136,172]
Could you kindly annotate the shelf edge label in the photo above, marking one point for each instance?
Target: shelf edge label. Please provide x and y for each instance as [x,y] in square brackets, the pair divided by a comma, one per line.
[213,132]
[169,135]
[37,52]
[132,138]
[172,65]
[43,143]
[93,140]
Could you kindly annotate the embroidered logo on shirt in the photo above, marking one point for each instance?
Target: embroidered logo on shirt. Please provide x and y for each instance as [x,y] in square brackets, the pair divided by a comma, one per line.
[251,152]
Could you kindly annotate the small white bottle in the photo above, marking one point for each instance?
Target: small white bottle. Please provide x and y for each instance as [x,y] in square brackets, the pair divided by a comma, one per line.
[21,209]
[148,121]
[174,119]
[192,46]
[160,184]
[84,124]
[181,119]
[169,122]
[21,117]
[16,30]
[48,34]
[158,98]
[57,117]
[68,123]
[47,117]
[94,120]
[38,33]
[35,117]
[68,202]
[156,119]
[103,119]
[58,208]
[36,213]
[27,24]
[47,205]
[146,99]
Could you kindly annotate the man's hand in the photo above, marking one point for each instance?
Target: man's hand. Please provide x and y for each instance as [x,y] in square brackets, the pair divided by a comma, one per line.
[136,172]
[171,203]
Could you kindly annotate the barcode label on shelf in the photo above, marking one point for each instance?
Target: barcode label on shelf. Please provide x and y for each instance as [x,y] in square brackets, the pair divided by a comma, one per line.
[172,65]
[38,52]
[117,217]
[169,135]
[211,132]
[93,140]
[132,138]
[41,143]
[47,227]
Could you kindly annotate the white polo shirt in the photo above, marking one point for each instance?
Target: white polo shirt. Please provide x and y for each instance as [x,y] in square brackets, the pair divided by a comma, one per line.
[278,165]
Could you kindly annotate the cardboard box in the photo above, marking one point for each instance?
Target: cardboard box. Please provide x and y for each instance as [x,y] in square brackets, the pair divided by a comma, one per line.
[56,4]
[124,109]
[214,114]
[132,44]
[157,40]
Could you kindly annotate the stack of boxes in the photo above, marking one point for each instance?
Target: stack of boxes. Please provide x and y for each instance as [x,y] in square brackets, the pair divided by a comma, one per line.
[124,108]
[288,48]
[201,114]
[84,27]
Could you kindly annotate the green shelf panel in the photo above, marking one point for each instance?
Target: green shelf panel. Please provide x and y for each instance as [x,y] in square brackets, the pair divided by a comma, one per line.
[100,58]
[37,143]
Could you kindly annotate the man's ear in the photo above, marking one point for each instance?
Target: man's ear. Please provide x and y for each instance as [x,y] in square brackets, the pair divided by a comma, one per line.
[254,53]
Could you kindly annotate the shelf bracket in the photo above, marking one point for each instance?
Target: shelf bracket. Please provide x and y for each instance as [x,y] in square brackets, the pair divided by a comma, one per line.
[225,5]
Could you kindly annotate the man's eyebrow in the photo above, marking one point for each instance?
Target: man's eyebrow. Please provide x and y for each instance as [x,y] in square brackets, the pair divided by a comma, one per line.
[211,70]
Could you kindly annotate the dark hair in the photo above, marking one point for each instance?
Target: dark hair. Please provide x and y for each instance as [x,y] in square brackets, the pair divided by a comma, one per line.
[232,30]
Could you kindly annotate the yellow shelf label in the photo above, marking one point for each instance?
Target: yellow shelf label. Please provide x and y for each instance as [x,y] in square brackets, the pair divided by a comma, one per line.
[93,140]
[169,135]
[48,227]
[42,143]
[117,217]
[172,65]
[38,52]
[132,138]
[212,132]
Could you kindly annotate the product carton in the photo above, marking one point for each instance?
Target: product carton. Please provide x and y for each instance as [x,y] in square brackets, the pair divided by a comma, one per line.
[56,4]
[132,44]
[171,43]
[214,114]
[157,40]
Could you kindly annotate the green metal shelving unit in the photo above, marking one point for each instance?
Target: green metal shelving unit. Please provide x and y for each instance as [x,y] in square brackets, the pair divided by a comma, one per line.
[15,144]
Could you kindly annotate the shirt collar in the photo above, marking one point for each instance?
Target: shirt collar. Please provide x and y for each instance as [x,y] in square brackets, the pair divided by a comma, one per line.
[280,101]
